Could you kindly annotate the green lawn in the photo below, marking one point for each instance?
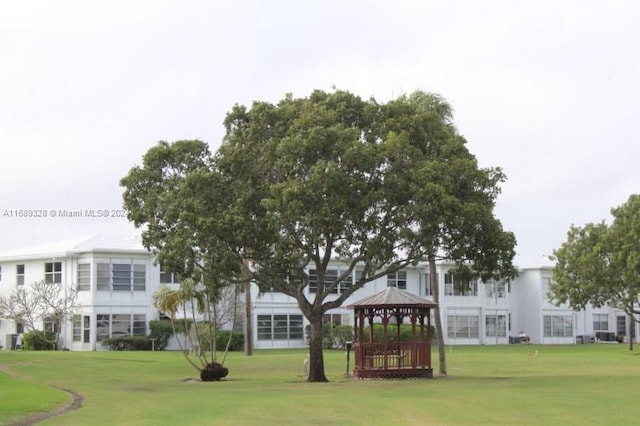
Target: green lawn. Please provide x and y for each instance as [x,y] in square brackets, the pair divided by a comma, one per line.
[504,385]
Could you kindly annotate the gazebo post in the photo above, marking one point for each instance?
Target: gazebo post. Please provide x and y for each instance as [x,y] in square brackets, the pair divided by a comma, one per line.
[370,317]
[385,338]
[414,346]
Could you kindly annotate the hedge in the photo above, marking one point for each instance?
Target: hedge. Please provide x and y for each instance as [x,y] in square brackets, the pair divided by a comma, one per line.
[128,343]
[38,340]
[334,335]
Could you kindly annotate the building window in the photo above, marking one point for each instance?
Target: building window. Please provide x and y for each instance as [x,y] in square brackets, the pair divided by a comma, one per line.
[264,327]
[81,328]
[139,325]
[397,279]
[330,276]
[117,325]
[77,328]
[121,277]
[86,328]
[558,326]
[463,326]
[495,326]
[335,319]
[427,285]
[50,324]
[120,325]
[600,322]
[295,327]
[20,274]
[84,277]
[621,325]
[546,283]
[53,272]
[103,276]
[280,327]
[448,285]
[167,277]
[103,330]
[453,288]
[139,277]
[347,282]
[495,289]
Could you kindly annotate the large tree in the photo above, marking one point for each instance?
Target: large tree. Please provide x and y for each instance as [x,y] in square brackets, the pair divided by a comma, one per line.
[599,264]
[299,183]
[377,187]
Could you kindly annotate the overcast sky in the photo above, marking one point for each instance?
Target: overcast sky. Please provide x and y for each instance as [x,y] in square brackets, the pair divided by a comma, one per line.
[547,90]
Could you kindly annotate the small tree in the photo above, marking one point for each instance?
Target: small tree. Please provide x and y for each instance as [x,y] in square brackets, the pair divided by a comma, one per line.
[41,302]
[203,311]
[182,207]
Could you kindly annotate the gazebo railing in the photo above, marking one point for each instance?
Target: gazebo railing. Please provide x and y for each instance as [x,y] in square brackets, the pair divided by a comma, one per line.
[392,355]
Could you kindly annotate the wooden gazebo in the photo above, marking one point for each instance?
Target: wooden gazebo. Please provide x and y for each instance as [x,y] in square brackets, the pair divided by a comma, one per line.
[391,356]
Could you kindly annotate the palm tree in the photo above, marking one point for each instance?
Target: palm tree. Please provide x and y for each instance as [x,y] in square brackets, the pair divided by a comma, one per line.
[200,300]
[168,301]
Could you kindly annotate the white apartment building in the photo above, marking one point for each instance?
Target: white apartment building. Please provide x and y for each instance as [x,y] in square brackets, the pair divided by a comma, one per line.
[116,279]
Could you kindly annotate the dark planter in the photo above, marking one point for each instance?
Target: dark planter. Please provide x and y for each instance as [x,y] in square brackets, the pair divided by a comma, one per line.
[213,372]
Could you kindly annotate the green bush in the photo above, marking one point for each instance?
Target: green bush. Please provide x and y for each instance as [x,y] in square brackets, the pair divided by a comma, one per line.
[334,335]
[160,330]
[392,333]
[222,337]
[38,340]
[128,343]
[237,340]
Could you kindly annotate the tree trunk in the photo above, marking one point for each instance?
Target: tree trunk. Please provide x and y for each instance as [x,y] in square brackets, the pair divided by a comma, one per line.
[248,329]
[435,292]
[632,329]
[316,357]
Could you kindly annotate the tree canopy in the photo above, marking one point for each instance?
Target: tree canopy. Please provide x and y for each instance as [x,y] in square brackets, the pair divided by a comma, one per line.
[599,264]
[304,181]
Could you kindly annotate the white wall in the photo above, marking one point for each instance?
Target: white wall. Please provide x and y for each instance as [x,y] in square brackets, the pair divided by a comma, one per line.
[525,304]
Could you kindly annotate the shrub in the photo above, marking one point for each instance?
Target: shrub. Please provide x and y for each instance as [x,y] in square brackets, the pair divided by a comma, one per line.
[334,335]
[128,343]
[38,340]
[392,334]
[237,340]
[222,337]
[160,330]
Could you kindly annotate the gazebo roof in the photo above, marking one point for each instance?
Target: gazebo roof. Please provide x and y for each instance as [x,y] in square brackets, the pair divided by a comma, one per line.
[393,297]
